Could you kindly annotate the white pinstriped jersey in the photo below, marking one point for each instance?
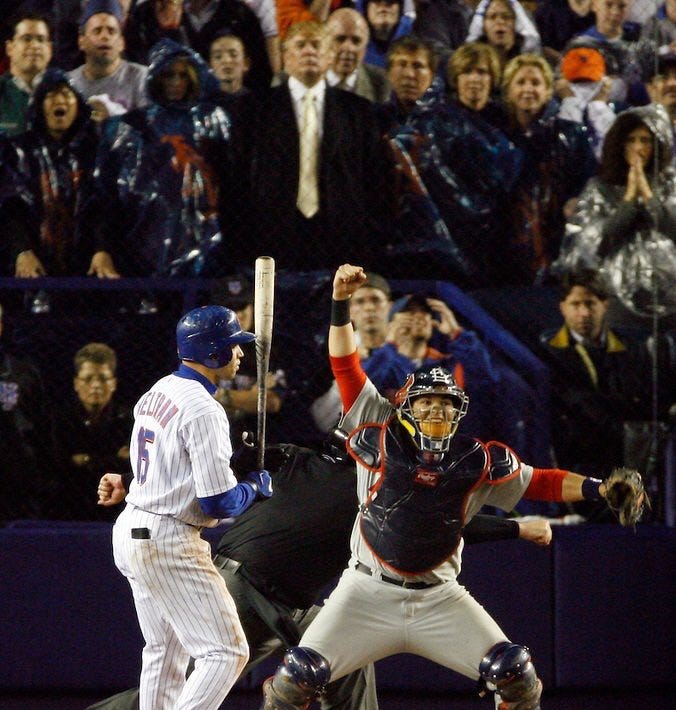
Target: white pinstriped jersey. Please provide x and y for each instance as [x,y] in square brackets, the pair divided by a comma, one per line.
[370,406]
[180,450]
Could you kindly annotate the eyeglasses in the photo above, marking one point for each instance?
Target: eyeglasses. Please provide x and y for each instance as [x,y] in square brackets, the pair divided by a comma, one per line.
[90,379]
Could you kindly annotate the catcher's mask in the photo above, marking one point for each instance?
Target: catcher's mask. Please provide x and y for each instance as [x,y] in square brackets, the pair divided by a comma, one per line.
[431,432]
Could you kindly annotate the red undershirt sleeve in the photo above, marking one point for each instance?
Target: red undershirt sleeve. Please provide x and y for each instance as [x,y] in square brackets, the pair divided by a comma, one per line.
[546,484]
[350,377]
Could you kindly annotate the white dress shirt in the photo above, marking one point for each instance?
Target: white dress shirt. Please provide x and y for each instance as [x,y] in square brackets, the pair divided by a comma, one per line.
[298,91]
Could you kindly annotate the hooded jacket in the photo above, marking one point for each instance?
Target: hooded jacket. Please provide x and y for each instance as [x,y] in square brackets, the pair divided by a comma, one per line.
[527,38]
[44,181]
[161,171]
[454,170]
[376,50]
[634,242]
[558,161]
[142,32]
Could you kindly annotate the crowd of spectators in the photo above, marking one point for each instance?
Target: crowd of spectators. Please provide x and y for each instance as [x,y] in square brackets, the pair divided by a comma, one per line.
[489,144]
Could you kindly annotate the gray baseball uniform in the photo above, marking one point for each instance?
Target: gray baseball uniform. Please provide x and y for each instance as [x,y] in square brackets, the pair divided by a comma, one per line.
[366,619]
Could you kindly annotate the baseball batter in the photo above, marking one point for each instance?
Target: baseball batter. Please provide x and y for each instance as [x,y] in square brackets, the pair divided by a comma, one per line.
[418,484]
[180,456]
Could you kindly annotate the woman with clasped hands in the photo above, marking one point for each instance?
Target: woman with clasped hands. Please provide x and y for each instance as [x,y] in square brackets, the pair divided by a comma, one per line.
[625,219]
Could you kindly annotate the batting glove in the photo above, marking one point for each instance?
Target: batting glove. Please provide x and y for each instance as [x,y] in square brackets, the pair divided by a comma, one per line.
[261,482]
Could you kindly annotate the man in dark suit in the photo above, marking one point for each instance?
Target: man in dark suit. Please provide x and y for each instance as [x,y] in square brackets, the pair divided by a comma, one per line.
[316,193]
[349,34]
[600,382]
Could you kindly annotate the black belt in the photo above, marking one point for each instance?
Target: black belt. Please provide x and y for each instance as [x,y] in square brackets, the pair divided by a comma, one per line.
[398,582]
[223,562]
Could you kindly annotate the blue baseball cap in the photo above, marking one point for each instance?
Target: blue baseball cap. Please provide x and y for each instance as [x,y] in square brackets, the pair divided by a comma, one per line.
[414,302]
[95,7]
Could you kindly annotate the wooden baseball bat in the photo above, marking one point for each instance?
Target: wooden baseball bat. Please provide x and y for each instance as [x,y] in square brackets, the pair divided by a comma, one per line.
[264,296]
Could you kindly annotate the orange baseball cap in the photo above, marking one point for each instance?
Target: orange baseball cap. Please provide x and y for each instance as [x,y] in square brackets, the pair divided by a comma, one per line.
[583,64]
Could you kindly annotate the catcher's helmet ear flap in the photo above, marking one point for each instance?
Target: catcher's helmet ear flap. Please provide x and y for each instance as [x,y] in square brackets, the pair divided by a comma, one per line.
[402,392]
[206,335]
[431,436]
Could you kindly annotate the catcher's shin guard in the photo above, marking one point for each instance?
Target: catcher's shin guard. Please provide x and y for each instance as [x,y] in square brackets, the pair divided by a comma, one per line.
[507,669]
[302,676]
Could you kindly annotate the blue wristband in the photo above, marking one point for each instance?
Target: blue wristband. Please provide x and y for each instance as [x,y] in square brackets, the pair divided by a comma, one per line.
[590,488]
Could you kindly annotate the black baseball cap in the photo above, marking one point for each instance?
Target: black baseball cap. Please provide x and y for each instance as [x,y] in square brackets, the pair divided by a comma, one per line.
[234,292]
[661,63]
[665,61]
[374,280]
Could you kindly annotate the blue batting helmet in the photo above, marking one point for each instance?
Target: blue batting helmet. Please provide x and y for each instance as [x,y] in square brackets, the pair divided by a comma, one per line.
[207,335]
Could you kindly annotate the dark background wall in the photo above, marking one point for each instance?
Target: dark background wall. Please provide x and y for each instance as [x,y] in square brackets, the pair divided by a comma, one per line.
[596,608]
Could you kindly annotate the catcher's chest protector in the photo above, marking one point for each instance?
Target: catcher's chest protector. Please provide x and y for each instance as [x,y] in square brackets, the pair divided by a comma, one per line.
[413,522]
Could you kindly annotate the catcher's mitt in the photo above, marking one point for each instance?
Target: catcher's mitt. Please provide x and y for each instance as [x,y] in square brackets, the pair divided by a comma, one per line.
[626,495]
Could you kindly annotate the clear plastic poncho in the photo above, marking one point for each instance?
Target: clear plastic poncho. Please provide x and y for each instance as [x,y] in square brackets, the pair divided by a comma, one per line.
[641,266]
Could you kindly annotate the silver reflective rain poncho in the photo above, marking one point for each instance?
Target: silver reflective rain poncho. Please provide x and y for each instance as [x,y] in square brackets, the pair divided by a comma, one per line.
[632,242]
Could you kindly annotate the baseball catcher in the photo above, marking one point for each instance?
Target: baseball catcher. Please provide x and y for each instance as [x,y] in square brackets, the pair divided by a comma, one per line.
[419,482]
